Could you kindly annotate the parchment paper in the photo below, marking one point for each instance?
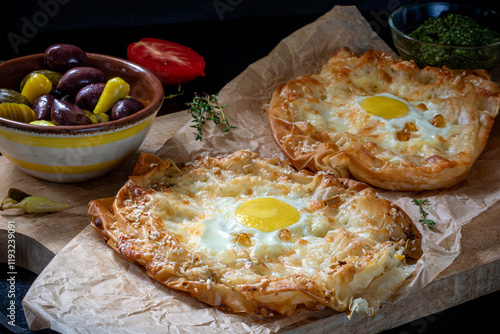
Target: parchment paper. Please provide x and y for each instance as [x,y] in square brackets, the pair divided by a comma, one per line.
[90,288]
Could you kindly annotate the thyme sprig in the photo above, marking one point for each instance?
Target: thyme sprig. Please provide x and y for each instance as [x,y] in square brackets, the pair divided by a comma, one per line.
[429,222]
[180,91]
[207,108]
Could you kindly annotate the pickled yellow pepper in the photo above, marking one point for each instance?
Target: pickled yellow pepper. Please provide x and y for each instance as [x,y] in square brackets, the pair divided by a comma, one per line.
[39,204]
[18,199]
[42,122]
[38,84]
[115,89]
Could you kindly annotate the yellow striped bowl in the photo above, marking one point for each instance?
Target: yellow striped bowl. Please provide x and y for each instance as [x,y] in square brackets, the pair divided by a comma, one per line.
[78,153]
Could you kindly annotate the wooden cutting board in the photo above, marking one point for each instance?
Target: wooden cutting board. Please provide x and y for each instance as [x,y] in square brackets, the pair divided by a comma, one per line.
[474,273]
[54,231]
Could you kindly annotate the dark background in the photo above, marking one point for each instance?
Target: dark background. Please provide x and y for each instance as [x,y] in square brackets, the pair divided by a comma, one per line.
[230,35]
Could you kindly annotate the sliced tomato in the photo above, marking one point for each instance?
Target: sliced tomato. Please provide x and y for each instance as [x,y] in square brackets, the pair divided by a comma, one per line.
[172,63]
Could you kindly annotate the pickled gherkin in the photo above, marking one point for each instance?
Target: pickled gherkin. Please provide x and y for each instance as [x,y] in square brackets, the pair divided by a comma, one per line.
[17,112]
[11,96]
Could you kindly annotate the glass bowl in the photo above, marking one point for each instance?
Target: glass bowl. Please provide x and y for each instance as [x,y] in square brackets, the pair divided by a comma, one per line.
[406,19]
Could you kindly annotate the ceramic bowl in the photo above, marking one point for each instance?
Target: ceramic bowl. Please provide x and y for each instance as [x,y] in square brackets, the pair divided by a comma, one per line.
[78,153]
[406,19]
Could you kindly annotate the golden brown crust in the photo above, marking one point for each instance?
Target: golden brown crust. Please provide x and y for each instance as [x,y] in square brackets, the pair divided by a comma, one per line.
[319,125]
[351,253]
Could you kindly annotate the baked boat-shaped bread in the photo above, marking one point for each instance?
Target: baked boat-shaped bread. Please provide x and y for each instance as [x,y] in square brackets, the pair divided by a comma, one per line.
[253,235]
[385,121]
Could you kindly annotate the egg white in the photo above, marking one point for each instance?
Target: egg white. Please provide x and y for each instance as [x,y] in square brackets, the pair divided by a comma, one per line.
[422,119]
[222,227]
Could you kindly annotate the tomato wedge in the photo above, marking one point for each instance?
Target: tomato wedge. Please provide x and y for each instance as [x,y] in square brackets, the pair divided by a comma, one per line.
[172,63]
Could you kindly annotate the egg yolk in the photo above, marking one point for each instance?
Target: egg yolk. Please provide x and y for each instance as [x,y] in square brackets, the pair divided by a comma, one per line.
[385,107]
[267,214]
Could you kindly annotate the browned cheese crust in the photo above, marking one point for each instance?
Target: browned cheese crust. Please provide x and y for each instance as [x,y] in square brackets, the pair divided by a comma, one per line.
[319,125]
[350,250]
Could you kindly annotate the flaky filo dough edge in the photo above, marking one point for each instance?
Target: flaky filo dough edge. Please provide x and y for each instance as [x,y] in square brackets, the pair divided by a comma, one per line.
[359,161]
[267,297]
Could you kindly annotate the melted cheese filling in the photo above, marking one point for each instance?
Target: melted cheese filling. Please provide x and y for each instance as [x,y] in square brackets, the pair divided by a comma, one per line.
[205,216]
[382,127]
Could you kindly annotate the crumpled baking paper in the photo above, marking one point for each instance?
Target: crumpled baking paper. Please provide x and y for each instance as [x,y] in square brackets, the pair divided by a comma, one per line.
[90,288]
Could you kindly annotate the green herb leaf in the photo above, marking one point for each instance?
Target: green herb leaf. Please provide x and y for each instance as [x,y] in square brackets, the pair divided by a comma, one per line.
[180,91]
[207,108]
[420,203]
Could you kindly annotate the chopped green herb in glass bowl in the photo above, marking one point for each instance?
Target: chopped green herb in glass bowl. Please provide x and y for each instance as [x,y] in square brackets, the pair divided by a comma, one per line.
[447,34]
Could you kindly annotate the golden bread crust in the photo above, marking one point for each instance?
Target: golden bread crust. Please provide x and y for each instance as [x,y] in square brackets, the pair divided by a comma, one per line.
[319,125]
[351,253]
